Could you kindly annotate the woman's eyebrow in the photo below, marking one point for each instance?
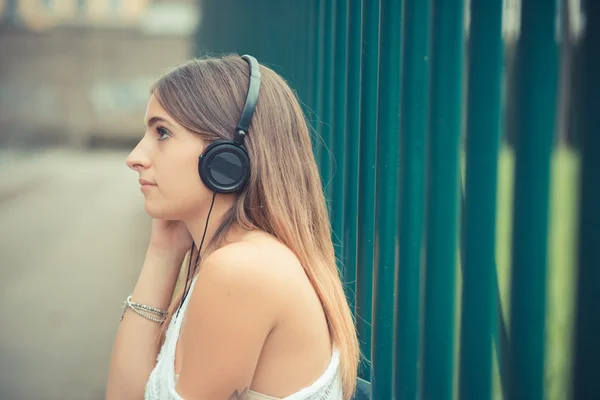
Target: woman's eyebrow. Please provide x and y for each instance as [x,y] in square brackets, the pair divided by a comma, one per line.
[154,120]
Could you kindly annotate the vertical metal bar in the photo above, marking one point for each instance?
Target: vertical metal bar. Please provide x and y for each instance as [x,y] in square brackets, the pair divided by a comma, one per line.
[207,35]
[311,61]
[479,307]
[415,90]
[338,133]
[283,52]
[226,39]
[352,159]
[291,21]
[259,46]
[319,10]
[302,41]
[536,86]
[327,104]
[367,174]
[586,383]
[203,37]
[442,198]
[387,199]
[237,42]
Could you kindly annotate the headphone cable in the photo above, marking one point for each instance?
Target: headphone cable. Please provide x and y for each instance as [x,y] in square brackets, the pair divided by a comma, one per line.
[186,288]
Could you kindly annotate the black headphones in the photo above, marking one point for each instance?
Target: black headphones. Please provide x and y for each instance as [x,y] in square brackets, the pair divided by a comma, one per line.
[224,166]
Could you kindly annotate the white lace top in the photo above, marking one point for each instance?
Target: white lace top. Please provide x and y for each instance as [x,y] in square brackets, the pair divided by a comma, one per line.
[161,384]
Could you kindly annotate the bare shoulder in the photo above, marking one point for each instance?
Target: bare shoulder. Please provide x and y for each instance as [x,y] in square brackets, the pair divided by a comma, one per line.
[259,255]
[259,266]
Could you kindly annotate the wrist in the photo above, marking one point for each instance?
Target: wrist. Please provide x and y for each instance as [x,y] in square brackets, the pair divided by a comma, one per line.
[166,257]
[158,277]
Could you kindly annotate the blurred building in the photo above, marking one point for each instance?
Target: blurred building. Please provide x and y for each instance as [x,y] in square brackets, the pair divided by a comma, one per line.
[76,70]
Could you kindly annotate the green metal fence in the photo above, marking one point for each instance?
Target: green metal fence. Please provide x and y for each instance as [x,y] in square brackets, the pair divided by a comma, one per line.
[466,221]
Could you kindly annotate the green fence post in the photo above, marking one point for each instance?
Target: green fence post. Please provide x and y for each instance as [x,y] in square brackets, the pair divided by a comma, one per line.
[240,43]
[319,53]
[479,308]
[536,83]
[311,61]
[367,173]
[415,90]
[294,45]
[211,41]
[204,35]
[303,40]
[387,199]
[338,132]
[262,51]
[442,198]
[281,48]
[327,98]
[297,31]
[352,158]
[586,382]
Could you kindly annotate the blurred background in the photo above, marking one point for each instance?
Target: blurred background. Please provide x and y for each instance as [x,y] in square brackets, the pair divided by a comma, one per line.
[74,82]
[453,138]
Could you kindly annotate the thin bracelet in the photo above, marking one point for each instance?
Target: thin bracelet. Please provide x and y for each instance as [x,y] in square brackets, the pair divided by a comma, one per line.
[160,321]
[125,306]
[134,306]
[146,308]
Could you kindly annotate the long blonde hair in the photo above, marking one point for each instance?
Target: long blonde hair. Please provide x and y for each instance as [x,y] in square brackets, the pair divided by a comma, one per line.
[283,196]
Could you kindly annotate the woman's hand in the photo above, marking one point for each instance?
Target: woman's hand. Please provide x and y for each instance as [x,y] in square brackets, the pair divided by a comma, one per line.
[170,238]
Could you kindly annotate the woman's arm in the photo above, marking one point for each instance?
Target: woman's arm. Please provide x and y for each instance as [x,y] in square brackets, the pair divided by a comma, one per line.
[234,306]
[136,345]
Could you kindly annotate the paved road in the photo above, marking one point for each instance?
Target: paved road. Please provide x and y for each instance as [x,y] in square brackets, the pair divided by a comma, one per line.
[72,238]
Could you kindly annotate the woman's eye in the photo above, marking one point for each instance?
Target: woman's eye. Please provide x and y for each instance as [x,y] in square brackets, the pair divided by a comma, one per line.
[162,133]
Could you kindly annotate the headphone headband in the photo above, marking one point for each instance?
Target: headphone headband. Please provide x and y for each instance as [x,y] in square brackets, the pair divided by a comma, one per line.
[251,99]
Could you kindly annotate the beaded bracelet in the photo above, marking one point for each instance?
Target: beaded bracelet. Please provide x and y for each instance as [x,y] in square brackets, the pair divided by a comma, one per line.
[139,308]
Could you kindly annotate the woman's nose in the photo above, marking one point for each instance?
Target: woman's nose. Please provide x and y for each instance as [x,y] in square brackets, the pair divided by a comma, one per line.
[138,158]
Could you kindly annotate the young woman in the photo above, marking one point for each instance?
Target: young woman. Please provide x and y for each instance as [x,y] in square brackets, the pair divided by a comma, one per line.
[226,163]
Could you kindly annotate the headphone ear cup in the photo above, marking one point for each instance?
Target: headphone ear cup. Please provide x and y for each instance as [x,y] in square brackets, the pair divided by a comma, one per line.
[224,167]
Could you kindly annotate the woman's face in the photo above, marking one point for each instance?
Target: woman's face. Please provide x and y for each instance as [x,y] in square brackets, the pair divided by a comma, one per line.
[166,159]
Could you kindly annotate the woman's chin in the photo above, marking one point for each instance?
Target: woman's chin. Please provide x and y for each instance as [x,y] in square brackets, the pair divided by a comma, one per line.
[157,211]
[153,211]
